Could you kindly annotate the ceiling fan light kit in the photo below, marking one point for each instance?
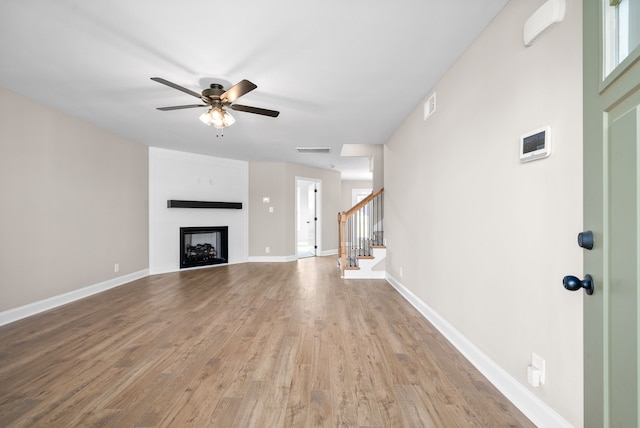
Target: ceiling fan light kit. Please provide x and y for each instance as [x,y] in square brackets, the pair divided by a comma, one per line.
[217,117]
[217,99]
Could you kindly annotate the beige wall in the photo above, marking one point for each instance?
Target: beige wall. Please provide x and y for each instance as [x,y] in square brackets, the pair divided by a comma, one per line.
[74,202]
[276,230]
[348,186]
[375,153]
[481,238]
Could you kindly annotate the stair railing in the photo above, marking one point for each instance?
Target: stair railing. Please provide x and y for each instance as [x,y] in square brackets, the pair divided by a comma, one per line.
[359,229]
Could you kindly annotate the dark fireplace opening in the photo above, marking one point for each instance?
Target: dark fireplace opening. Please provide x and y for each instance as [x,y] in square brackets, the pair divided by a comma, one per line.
[203,246]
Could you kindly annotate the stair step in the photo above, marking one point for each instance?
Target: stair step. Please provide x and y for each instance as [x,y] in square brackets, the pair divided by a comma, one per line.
[371,267]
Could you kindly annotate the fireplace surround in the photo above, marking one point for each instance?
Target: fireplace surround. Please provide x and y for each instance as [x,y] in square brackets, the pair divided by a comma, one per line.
[203,246]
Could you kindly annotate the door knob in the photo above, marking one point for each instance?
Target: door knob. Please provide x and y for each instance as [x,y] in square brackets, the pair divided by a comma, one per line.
[573,283]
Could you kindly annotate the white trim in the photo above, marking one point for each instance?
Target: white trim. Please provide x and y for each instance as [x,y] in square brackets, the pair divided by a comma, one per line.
[318,211]
[272,259]
[34,308]
[528,403]
[285,259]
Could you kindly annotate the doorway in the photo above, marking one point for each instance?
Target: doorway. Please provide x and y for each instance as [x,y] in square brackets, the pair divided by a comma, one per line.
[307,217]
[359,194]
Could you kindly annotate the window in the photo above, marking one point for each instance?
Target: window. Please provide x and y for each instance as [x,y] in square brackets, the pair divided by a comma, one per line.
[621,31]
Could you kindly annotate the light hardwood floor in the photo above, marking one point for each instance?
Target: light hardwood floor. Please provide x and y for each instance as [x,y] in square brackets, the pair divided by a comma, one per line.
[246,345]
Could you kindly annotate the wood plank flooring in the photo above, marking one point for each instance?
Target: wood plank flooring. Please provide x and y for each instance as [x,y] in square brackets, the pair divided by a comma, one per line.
[247,345]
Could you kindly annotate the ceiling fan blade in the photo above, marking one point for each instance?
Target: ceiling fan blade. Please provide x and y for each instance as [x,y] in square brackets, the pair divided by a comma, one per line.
[174,86]
[256,110]
[238,90]
[181,107]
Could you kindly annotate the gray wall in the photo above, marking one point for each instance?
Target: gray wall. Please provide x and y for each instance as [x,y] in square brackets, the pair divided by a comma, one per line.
[277,230]
[74,202]
[496,236]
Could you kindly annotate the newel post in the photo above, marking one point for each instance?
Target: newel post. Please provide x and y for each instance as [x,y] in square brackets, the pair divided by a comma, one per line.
[342,251]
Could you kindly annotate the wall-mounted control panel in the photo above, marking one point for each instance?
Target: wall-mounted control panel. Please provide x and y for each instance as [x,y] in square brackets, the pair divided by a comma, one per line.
[535,144]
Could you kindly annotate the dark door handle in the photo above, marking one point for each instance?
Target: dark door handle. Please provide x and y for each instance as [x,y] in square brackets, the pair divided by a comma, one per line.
[573,283]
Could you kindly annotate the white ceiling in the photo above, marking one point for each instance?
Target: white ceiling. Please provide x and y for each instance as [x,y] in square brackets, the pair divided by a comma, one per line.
[339,71]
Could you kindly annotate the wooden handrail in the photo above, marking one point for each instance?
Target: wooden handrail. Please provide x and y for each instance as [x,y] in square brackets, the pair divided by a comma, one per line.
[362,203]
[343,217]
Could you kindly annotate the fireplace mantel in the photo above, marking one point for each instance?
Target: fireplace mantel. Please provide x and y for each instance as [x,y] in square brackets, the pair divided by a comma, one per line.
[173,203]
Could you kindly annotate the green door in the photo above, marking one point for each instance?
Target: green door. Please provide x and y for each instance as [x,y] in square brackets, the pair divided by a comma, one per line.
[611,186]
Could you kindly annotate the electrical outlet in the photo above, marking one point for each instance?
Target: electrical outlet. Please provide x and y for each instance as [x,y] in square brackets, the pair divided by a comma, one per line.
[116,268]
[401,273]
[267,249]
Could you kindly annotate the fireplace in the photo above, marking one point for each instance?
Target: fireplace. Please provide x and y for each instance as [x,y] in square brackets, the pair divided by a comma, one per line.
[203,246]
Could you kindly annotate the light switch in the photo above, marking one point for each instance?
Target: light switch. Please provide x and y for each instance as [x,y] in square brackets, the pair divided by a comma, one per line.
[538,363]
[270,209]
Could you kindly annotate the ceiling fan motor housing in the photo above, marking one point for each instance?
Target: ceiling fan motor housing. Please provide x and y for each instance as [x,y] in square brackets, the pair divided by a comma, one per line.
[213,92]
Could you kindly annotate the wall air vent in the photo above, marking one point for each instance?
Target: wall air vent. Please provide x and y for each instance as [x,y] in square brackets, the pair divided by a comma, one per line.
[312,150]
[430,106]
[549,14]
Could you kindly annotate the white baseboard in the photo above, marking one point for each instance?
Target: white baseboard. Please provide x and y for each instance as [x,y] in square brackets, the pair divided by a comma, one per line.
[283,259]
[272,259]
[528,403]
[34,308]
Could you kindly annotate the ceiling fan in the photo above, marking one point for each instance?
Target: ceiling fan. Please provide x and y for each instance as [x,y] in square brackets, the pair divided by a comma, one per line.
[216,98]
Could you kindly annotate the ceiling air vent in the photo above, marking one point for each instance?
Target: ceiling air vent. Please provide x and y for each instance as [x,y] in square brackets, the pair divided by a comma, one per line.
[430,106]
[312,150]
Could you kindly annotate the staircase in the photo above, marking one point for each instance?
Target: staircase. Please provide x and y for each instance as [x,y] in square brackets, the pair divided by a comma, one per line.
[361,250]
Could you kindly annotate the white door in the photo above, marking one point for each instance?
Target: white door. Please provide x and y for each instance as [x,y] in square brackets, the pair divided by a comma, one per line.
[307,217]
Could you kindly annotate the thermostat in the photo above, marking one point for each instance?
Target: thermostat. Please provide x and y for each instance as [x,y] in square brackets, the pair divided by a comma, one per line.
[535,145]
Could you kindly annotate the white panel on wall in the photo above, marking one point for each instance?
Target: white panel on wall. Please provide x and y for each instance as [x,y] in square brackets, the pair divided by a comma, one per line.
[187,176]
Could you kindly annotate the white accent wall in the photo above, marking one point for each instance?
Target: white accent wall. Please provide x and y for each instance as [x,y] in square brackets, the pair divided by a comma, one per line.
[193,177]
